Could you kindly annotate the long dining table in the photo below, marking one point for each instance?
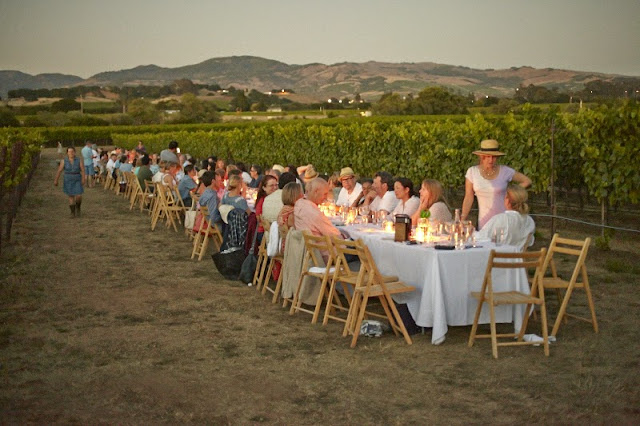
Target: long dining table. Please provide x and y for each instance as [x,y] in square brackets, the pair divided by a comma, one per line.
[443,279]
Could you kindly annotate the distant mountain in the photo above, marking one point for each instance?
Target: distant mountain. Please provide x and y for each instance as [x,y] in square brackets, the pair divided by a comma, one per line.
[10,80]
[370,79]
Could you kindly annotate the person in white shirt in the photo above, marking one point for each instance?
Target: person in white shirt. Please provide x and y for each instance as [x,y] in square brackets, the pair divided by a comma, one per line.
[381,198]
[351,190]
[408,203]
[515,223]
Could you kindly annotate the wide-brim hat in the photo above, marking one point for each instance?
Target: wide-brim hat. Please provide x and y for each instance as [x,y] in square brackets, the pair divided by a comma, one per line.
[201,172]
[310,173]
[489,147]
[278,167]
[346,171]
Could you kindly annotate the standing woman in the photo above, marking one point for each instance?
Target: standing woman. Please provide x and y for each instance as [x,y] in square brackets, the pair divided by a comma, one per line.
[74,177]
[488,182]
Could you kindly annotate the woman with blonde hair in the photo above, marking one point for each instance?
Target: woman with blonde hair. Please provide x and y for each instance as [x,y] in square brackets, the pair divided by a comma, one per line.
[432,200]
[291,193]
[235,195]
[514,224]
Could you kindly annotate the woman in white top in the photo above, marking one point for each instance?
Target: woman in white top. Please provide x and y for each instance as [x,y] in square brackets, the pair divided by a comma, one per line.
[432,200]
[515,223]
[408,203]
[488,183]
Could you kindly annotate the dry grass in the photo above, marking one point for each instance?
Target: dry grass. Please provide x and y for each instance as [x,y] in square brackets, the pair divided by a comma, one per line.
[104,321]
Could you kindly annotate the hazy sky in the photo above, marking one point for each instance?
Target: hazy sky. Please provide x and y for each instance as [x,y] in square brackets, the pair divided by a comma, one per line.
[84,37]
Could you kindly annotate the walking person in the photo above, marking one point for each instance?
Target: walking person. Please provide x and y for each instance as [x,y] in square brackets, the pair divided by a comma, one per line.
[74,177]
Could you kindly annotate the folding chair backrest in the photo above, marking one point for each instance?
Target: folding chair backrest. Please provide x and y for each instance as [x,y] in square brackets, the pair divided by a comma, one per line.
[526,260]
[566,246]
[316,247]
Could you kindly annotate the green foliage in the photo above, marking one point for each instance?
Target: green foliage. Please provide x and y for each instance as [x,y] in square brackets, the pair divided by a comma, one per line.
[431,100]
[193,110]
[17,148]
[7,118]
[65,105]
[143,112]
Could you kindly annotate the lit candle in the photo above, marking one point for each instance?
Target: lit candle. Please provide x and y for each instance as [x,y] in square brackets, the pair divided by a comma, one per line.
[420,234]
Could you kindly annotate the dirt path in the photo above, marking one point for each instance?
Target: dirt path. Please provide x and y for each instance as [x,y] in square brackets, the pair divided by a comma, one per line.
[104,321]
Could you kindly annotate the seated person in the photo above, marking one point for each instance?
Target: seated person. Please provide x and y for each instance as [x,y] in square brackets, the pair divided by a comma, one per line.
[408,203]
[432,200]
[125,166]
[235,195]
[351,190]
[306,214]
[291,193]
[209,198]
[367,188]
[382,197]
[515,221]
[187,185]
[144,172]
[273,202]
[256,176]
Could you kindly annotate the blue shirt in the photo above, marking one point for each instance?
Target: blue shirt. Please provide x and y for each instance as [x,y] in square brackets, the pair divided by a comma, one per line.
[184,188]
[209,198]
[237,202]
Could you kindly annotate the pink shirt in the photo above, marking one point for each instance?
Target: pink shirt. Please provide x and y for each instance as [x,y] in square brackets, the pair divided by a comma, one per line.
[490,193]
[308,217]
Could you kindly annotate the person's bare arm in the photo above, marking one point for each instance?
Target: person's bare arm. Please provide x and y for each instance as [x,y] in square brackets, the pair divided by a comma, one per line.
[55,181]
[521,180]
[468,199]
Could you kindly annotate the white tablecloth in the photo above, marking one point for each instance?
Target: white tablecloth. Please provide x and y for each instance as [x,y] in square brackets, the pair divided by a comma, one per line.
[443,280]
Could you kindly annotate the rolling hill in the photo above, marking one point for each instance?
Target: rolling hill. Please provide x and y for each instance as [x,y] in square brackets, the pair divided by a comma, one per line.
[370,79]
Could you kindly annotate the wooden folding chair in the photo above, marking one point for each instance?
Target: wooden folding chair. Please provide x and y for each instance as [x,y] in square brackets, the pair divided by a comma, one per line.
[205,230]
[136,192]
[315,266]
[129,184]
[109,181]
[373,284]
[261,265]
[167,208]
[578,249]
[346,277]
[535,296]
[118,180]
[265,278]
[148,197]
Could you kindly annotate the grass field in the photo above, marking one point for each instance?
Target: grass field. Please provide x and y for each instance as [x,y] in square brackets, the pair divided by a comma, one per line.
[104,321]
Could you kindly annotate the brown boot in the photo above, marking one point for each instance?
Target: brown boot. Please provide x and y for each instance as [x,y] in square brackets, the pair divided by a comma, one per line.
[72,207]
[78,204]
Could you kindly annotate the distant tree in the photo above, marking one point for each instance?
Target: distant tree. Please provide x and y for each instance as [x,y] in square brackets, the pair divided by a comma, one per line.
[77,119]
[143,112]
[390,104]
[194,110]
[7,118]
[438,100]
[183,86]
[33,121]
[240,102]
[65,105]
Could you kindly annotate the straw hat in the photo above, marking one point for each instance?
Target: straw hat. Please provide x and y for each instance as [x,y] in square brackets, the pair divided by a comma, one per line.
[310,173]
[346,171]
[278,167]
[489,147]
[201,172]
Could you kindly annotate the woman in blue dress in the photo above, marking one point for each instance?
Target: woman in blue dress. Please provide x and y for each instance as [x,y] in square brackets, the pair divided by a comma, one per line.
[74,177]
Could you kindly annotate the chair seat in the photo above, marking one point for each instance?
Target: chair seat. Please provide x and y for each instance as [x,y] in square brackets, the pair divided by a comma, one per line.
[509,298]
[557,282]
[392,288]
